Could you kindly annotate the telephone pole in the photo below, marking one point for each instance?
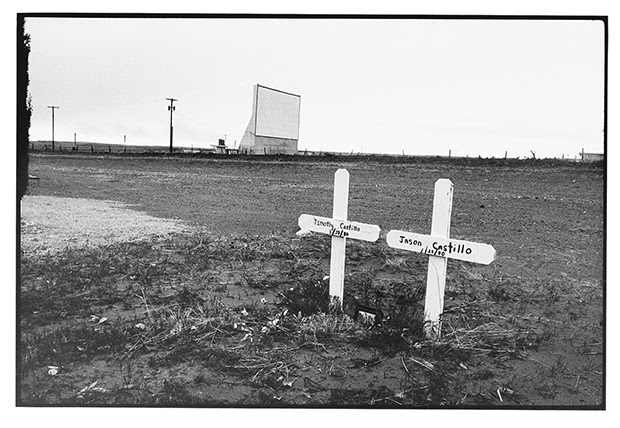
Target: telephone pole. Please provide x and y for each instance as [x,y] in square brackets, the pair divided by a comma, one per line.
[171,108]
[53,108]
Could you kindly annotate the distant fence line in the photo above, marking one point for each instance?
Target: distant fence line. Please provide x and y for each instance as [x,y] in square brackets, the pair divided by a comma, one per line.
[105,148]
[99,148]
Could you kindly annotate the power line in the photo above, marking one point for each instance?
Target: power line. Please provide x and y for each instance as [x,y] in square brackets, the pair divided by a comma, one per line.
[189,118]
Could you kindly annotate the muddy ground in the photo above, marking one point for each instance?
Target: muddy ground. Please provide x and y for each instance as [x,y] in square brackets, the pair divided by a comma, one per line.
[227,311]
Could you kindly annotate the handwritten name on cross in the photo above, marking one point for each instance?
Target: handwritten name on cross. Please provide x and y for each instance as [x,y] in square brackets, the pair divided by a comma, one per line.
[340,229]
[439,247]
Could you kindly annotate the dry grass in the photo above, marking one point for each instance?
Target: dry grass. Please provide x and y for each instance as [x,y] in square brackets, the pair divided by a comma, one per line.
[489,337]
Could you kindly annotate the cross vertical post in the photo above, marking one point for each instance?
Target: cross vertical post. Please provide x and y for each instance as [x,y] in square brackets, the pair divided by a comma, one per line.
[436,279]
[439,247]
[339,228]
[340,212]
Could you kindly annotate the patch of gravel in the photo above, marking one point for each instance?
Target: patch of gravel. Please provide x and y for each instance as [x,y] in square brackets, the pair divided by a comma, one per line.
[51,224]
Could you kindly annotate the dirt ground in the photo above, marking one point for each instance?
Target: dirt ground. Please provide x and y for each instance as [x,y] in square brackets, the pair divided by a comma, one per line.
[546,287]
[51,224]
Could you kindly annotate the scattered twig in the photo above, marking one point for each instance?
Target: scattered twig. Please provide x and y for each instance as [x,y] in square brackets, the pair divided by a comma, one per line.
[426,364]
[393,401]
[402,360]
[539,362]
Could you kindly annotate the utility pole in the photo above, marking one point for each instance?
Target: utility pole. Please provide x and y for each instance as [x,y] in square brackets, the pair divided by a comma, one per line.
[171,108]
[53,108]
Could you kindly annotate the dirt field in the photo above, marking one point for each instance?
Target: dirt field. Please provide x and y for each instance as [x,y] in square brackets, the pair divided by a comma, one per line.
[84,223]
[219,303]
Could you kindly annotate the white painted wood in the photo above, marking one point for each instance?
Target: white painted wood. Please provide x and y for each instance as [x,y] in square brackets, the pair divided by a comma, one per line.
[441,247]
[340,229]
[344,229]
[340,211]
[436,278]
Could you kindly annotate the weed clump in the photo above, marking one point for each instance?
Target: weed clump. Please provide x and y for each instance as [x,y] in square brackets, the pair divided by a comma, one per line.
[323,326]
[308,297]
[389,341]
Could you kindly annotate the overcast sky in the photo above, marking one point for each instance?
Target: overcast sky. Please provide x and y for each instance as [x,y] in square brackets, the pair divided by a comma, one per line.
[418,86]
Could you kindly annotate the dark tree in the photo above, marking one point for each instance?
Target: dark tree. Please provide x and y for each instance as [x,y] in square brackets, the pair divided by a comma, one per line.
[24,108]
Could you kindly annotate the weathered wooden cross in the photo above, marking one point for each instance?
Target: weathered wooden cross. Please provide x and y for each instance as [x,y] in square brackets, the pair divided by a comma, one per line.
[340,229]
[440,248]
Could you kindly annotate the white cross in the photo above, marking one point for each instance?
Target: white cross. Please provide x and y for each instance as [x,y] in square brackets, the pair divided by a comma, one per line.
[440,248]
[340,229]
